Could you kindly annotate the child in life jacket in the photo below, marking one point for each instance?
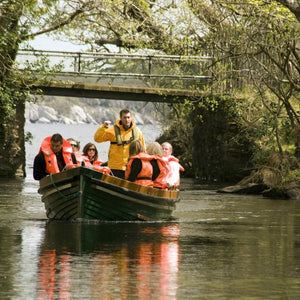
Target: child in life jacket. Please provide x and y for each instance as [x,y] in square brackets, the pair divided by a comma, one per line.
[160,167]
[139,168]
[173,178]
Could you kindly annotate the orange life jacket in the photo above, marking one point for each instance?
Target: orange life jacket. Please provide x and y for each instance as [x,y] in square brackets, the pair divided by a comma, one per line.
[145,175]
[173,158]
[50,157]
[79,158]
[170,174]
[86,159]
[161,180]
[98,162]
[103,169]
[96,165]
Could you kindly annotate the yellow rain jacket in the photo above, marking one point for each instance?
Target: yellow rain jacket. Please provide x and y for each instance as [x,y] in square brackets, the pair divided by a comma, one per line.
[118,151]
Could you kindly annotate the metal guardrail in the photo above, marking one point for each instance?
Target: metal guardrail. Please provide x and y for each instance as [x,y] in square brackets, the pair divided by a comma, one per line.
[160,69]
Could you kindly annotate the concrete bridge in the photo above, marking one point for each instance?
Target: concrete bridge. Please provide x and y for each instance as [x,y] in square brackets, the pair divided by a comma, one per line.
[151,78]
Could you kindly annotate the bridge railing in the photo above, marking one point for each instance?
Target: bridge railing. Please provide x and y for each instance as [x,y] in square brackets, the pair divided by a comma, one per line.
[169,71]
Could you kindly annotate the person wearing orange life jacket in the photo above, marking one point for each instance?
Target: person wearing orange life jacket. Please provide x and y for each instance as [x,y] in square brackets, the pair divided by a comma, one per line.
[139,169]
[91,160]
[54,156]
[76,156]
[90,154]
[173,178]
[160,167]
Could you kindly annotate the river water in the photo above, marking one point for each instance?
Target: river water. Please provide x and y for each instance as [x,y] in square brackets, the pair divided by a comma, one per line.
[218,247]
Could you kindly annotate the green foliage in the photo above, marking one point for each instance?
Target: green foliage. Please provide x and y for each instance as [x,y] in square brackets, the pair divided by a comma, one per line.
[253,44]
[292,177]
[180,133]
[264,125]
[28,137]
[9,98]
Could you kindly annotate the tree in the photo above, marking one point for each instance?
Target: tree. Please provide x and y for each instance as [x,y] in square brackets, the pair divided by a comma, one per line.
[17,20]
[253,43]
[128,24]
[256,44]
[293,6]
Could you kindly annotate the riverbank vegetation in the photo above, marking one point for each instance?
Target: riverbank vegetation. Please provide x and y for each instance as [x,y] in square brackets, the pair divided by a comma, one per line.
[246,124]
[256,53]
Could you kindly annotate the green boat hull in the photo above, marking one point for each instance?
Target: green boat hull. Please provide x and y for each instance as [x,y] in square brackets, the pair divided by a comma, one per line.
[86,194]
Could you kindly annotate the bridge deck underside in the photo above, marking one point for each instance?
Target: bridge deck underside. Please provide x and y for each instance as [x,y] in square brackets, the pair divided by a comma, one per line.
[146,94]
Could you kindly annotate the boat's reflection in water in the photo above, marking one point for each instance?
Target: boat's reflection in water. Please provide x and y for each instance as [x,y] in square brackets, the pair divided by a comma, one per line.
[125,260]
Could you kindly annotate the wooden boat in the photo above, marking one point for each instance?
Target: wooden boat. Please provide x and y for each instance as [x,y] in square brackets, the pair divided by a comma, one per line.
[85,194]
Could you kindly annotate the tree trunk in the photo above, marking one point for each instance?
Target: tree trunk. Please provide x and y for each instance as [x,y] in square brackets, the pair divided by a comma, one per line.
[12,144]
[297,141]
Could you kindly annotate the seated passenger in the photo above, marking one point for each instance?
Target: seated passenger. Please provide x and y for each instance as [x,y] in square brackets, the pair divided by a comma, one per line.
[54,156]
[139,168]
[90,154]
[160,167]
[173,178]
[76,156]
[91,160]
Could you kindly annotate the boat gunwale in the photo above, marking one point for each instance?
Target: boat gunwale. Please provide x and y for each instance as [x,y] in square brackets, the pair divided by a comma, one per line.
[68,175]
[136,200]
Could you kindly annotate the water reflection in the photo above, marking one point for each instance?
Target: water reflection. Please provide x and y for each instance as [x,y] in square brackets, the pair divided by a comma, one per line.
[230,247]
[121,260]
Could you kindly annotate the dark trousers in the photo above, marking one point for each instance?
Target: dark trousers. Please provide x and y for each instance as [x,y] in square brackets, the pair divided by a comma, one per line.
[118,173]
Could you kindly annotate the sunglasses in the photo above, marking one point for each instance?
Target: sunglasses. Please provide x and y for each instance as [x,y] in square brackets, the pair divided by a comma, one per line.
[91,149]
[74,145]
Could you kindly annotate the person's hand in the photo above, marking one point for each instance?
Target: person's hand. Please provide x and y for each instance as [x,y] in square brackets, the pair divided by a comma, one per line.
[107,123]
[106,170]
[69,166]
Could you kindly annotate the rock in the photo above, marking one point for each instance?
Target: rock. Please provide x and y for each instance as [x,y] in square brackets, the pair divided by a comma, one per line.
[149,121]
[138,119]
[291,191]
[65,120]
[88,111]
[103,113]
[294,193]
[90,119]
[48,113]
[43,120]
[31,112]
[78,114]
[275,193]
[248,188]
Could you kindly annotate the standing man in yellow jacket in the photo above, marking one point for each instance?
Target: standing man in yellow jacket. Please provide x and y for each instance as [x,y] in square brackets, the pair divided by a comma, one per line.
[120,136]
